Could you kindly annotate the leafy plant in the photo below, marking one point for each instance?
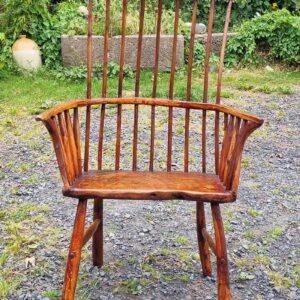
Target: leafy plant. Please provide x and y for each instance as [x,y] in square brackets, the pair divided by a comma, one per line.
[274,35]
[79,73]
[33,19]
[72,18]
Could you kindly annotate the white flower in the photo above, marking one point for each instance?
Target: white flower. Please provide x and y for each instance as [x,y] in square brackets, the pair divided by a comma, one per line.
[83,10]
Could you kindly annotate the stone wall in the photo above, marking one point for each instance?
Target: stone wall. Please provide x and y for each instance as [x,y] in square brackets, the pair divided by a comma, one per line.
[74,50]
[216,40]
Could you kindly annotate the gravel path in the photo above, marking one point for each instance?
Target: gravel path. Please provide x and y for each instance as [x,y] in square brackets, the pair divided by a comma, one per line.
[151,247]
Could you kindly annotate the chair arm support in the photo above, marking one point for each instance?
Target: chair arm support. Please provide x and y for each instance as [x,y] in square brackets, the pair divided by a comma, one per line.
[66,143]
[59,151]
[236,133]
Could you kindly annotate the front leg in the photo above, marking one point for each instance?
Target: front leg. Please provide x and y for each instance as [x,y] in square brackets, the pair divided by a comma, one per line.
[74,256]
[221,252]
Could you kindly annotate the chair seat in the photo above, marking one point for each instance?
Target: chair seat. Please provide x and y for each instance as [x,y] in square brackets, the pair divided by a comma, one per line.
[150,185]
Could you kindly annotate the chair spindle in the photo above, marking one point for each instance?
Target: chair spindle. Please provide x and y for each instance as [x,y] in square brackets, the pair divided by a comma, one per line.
[89,85]
[219,82]
[105,50]
[76,129]
[206,78]
[171,87]
[120,89]
[189,84]
[137,85]
[104,84]
[156,63]
[101,134]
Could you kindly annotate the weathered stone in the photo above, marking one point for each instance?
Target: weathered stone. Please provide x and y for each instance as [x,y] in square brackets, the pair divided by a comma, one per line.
[74,50]
[148,51]
[200,27]
[216,40]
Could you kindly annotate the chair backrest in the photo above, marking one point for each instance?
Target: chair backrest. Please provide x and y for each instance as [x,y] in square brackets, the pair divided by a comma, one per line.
[122,62]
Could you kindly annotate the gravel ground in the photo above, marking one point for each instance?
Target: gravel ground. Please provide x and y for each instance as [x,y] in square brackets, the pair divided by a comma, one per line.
[151,247]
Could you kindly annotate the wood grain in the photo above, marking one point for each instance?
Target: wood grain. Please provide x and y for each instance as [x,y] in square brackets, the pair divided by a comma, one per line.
[202,242]
[150,185]
[74,256]
[97,246]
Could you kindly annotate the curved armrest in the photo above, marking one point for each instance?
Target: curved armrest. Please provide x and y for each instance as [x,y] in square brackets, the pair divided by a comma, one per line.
[147,101]
[236,132]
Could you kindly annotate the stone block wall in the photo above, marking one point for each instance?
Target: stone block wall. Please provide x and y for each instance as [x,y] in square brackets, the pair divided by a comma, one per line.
[74,50]
[216,40]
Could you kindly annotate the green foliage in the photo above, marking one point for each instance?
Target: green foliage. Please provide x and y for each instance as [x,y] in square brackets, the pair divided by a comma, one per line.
[199,50]
[133,286]
[80,73]
[72,18]
[33,19]
[276,34]
[242,10]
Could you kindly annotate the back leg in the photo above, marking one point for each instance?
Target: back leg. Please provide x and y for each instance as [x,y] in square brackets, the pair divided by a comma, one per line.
[97,246]
[202,243]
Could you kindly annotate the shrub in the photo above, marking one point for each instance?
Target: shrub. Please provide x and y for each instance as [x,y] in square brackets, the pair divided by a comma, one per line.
[73,21]
[276,35]
[242,10]
[33,19]
[80,73]
[199,50]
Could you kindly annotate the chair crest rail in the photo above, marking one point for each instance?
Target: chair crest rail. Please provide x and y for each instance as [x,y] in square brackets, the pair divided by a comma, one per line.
[149,101]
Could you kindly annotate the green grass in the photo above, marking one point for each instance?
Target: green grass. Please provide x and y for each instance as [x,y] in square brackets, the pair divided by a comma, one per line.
[280,280]
[35,93]
[276,232]
[277,82]
[254,213]
[249,234]
[182,240]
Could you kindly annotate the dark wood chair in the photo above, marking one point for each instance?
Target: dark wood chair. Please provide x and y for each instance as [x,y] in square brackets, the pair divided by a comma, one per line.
[217,187]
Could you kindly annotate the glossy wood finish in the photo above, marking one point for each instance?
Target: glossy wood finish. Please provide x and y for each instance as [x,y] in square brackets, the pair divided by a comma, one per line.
[221,251]
[63,123]
[209,240]
[105,50]
[202,242]
[188,88]
[206,80]
[45,116]
[74,256]
[97,245]
[150,185]
[90,231]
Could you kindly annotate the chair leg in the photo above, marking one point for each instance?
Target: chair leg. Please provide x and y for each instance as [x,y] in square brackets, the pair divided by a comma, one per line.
[97,247]
[202,244]
[74,256]
[222,261]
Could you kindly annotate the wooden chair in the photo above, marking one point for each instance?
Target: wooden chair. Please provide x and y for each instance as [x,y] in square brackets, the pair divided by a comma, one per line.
[215,188]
